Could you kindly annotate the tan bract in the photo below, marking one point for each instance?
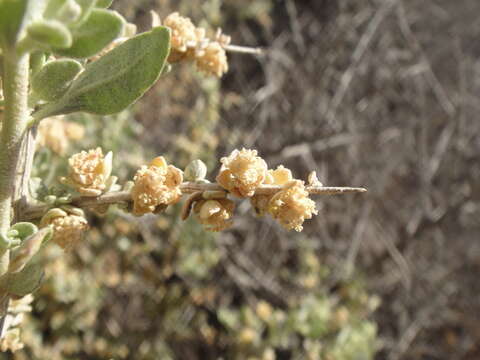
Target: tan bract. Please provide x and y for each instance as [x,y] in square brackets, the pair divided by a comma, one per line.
[212,60]
[89,172]
[280,176]
[215,215]
[292,205]
[68,229]
[154,185]
[242,172]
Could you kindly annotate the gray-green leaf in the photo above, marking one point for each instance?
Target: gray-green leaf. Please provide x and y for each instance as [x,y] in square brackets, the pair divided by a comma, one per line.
[86,6]
[24,282]
[66,11]
[28,249]
[99,30]
[117,79]
[24,229]
[53,80]
[50,34]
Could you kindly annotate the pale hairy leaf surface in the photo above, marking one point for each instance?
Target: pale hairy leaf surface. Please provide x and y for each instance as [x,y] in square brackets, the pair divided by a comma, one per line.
[94,34]
[54,78]
[117,79]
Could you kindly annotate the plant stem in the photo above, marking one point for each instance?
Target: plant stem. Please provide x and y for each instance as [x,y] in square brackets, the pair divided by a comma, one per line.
[15,91]
[243,49]
[34,211]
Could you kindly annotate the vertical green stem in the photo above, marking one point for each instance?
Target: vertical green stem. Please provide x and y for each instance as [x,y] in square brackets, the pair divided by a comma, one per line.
[15,91]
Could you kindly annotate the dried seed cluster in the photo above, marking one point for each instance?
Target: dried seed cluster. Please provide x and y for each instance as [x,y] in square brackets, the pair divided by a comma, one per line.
[69,225]
[291,206]
[215,215]
[242,172]
[89,172]
[155,185]
[190,43]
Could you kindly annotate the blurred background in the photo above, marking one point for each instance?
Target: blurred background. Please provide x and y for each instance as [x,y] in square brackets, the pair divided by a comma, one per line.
[374,93]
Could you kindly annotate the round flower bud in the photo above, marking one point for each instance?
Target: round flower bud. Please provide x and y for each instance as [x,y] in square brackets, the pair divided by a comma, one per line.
[242,172]
[212,60]
[215,215]
[196,170]
[68,228]
[154,185]
[89,172]
[291,205]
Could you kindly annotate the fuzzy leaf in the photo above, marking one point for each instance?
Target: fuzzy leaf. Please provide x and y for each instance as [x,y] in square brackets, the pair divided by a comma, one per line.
[66,11]
[117,79]
[99,30]
[12,13]
[28,249]
[86,6]
[50,34]
[24,229]
[53,80]
[24,282]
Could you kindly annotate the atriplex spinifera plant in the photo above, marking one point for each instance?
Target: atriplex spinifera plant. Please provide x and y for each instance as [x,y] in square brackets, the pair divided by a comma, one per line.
[64,56]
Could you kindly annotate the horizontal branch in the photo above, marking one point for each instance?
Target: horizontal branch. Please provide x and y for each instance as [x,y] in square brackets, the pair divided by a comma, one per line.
[35,211]
[243,49]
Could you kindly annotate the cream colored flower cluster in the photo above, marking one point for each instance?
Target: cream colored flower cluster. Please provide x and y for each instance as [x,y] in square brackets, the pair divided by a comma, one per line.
[17,309]
[156,185]
[56,134]
[89,172]
[189,43]
[215,215]
[243,172]
[69,225]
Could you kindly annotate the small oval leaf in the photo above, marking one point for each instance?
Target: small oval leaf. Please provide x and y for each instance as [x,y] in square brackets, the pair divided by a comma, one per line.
[50,34]
[54,78]
[28,248]
[65,11]
[99,30]
[24,229]
[117,79]
[24,282]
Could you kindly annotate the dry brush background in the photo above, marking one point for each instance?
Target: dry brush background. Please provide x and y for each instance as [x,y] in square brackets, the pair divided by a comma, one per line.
[382,94]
